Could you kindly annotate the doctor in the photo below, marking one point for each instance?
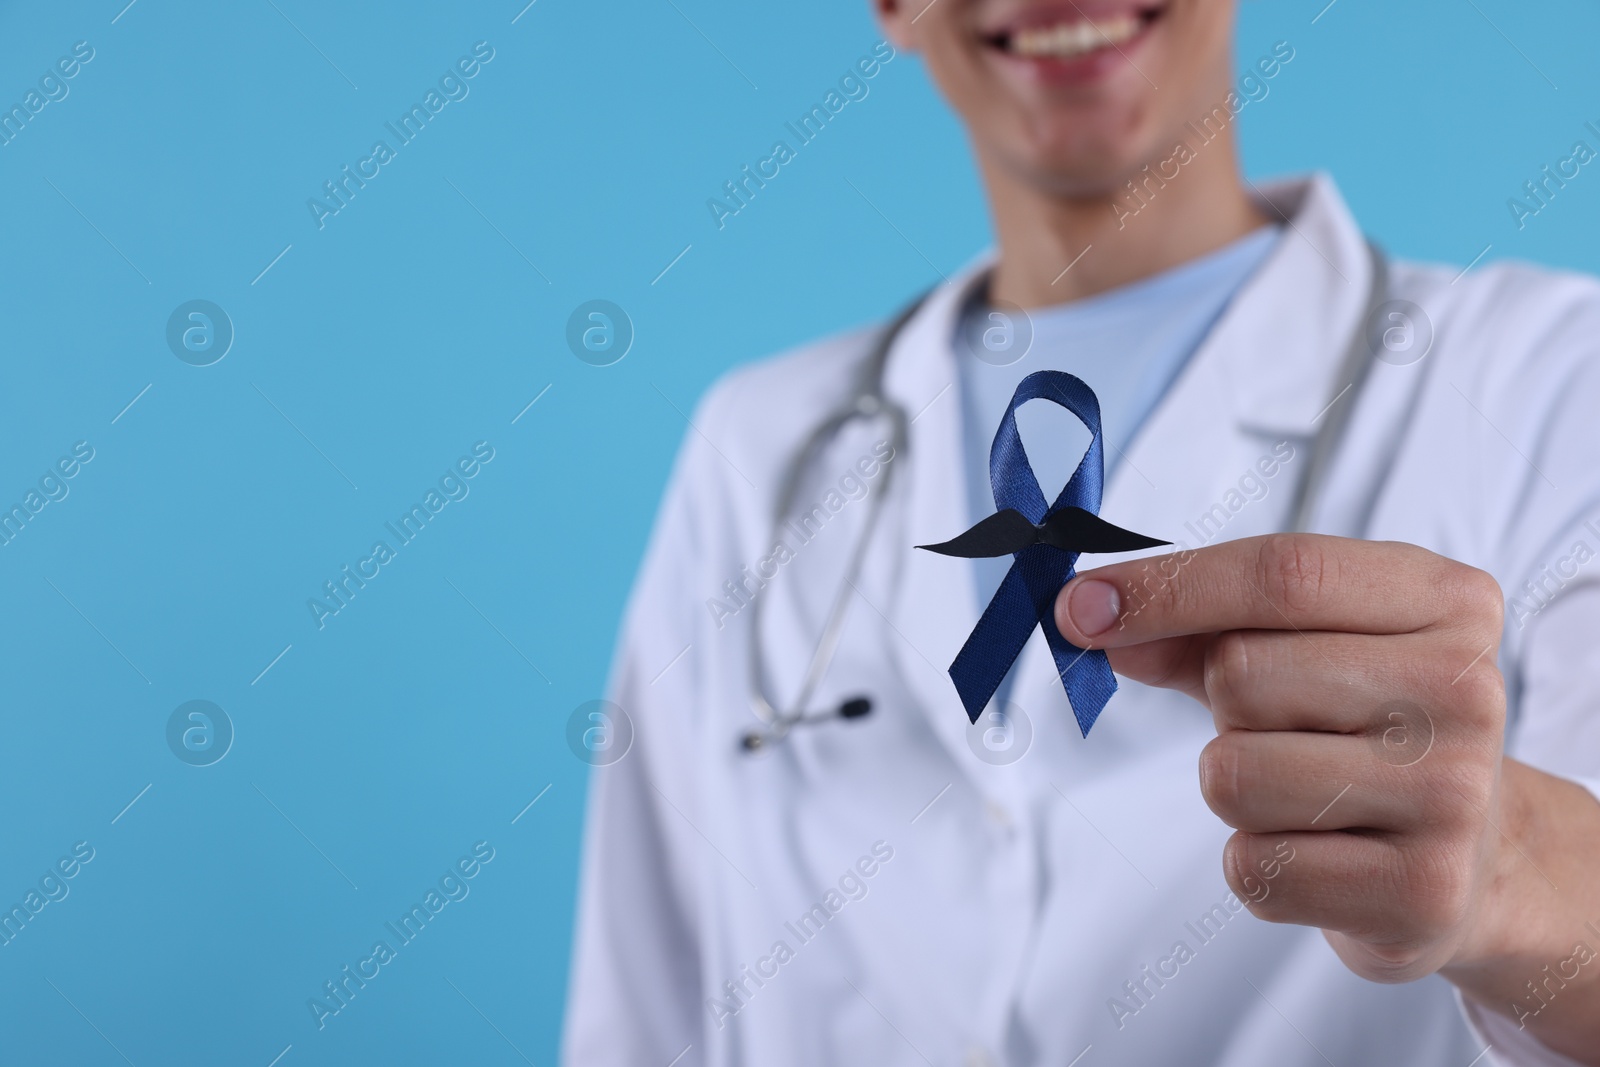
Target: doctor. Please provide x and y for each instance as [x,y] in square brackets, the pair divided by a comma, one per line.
[1342,808]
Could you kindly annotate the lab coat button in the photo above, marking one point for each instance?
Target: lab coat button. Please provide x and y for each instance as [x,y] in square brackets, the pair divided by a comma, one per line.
[997,814]
[977,1057]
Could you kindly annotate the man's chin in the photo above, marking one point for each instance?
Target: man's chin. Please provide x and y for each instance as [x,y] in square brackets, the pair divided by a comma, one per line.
[1076,163]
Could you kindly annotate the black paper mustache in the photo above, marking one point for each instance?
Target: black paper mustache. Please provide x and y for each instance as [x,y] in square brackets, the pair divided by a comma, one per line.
[1071,529]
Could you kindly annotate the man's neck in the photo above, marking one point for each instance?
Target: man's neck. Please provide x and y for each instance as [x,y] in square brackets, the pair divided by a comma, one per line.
[1055,248]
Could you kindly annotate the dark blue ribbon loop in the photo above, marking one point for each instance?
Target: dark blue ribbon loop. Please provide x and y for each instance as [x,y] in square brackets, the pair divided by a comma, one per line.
[1047,540]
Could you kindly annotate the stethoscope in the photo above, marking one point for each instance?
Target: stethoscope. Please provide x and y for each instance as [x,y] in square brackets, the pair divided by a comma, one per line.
[867,401]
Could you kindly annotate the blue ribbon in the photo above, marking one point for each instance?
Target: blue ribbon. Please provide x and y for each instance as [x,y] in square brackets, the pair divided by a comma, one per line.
[1027,596]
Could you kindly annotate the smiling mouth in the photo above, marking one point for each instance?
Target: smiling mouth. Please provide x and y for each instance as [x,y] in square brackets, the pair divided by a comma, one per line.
[1073,37]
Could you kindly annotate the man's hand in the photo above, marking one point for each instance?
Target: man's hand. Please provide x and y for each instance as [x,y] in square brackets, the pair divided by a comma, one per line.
[1359,716]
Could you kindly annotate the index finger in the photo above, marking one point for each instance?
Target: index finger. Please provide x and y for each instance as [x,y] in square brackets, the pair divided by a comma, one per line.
[1275,582]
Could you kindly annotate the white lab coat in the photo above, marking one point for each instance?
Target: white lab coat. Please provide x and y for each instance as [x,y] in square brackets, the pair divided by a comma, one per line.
[1018,899]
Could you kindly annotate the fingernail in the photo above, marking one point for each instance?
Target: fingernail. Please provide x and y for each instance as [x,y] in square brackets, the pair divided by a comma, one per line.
[1094,606]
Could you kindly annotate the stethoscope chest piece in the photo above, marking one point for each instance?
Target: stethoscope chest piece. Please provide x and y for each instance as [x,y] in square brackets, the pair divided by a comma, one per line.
[858,707]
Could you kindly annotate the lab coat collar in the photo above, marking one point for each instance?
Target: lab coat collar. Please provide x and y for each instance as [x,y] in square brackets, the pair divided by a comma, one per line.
[1270,363]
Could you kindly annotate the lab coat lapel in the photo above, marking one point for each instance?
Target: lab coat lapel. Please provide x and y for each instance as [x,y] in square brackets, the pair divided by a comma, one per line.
[1285,336]
[1264,374]
[934,601]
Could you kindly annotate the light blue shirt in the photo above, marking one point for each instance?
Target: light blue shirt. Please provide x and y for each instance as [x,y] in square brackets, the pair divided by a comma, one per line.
[1129,344]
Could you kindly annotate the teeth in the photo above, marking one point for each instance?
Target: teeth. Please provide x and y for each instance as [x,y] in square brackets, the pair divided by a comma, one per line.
[1065,40]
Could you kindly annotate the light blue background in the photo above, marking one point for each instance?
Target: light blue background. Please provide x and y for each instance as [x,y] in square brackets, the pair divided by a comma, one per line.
[411,727]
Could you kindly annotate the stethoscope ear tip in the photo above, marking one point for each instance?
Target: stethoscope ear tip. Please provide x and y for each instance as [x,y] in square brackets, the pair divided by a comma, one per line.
[754,741]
